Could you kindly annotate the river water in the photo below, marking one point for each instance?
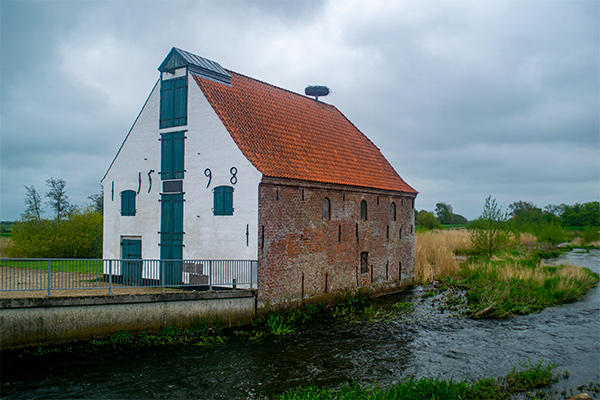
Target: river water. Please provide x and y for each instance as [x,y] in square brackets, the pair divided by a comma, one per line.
[419,342]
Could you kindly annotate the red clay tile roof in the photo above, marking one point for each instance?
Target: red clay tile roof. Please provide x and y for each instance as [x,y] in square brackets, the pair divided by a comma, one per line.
[287,135]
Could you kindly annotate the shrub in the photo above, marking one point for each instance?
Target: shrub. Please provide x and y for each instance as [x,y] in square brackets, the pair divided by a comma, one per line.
[590,234]
[427,220]
[77,236]
[550,234]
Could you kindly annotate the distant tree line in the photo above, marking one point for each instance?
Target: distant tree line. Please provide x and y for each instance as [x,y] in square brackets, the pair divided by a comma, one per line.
[524,213]
[496,229]
[71,232]
[444,215]
[520,214]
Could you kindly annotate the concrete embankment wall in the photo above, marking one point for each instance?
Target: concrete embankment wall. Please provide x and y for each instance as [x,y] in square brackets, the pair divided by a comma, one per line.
[45,321]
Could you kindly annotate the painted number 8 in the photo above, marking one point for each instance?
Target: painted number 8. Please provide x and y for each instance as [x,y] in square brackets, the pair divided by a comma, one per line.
[233,178]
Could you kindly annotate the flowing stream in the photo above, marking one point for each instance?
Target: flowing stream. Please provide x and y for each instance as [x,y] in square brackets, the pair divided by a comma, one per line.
[417,341]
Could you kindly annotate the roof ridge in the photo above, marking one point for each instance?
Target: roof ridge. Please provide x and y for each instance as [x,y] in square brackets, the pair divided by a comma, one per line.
[308,98]
[283,89]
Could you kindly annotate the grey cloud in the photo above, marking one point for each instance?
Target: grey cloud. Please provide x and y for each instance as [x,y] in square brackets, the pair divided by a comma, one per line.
[465,99]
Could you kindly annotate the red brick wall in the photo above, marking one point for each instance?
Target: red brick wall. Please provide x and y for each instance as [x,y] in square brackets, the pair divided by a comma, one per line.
[301,255]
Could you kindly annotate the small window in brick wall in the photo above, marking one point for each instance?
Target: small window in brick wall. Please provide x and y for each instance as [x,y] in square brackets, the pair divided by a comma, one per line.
[364,262]
[326,209]
[363,210]
[128,203]
[223,200]
[393,211]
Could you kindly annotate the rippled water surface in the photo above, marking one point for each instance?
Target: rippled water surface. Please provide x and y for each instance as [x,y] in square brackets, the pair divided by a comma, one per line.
[419,343]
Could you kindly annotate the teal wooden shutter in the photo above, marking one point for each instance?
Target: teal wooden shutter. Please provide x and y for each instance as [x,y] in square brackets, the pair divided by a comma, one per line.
[128,203]
[166,156]
[180,102]
[227,200]
[132,249]
[177,227]
[171,226]
[166,213]
[173,102]
[131,271]
[218,201]
[178,154]
[167,90]
[172,155]
[223,200]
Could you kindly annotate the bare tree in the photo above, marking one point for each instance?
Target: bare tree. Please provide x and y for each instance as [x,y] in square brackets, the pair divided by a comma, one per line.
[33,202]
[98,201]
[59,201]
[488,233]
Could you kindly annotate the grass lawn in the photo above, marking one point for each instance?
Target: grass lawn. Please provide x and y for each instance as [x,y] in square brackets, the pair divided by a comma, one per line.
[79,266]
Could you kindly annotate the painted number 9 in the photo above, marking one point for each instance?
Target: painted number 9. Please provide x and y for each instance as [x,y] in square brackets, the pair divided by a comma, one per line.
[208,174]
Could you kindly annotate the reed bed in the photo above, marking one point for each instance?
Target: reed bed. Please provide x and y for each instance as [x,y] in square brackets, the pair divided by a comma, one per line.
[517,287]
[435,254]
[513,283]
[527,240]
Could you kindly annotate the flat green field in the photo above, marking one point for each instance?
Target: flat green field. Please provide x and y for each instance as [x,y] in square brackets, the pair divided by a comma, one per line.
[80,266]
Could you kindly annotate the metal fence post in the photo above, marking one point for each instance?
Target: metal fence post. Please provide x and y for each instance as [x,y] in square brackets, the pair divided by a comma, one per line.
[162,274]
[210,275]
[251,274]
[49,278]
[109,277]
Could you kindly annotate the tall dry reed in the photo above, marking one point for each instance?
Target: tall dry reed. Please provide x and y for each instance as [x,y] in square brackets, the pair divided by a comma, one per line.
[434,253]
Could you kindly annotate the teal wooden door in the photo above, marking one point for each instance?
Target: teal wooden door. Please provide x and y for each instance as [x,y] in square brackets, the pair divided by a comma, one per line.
[131,271]
[171,237]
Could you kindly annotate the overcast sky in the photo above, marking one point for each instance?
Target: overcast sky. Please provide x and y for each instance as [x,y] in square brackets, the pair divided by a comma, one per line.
[465,98]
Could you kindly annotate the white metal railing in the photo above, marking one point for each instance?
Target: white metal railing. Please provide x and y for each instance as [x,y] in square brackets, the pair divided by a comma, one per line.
[17,274]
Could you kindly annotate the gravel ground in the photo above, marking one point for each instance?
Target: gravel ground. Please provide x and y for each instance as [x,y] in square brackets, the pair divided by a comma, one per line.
[71,284]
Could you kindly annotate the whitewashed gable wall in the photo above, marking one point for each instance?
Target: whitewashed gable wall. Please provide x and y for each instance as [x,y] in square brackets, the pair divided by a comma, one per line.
[208,145]
[139,154]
